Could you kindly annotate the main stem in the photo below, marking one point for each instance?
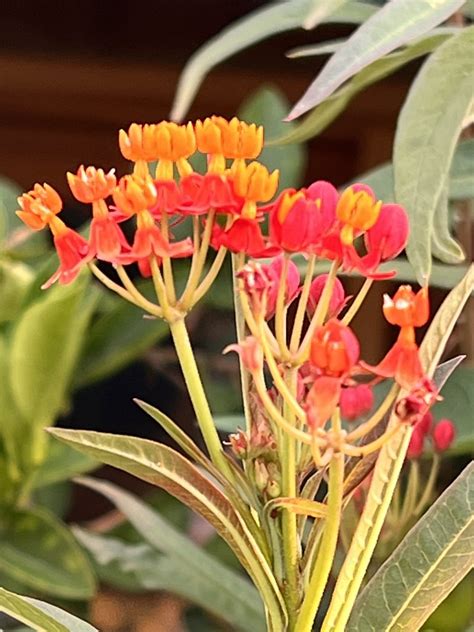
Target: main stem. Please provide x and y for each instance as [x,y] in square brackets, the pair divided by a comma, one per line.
[195,388]
[325,558]
[290,519]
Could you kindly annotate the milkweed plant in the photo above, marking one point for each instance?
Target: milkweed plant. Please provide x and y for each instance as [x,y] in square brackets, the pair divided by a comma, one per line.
[312,423]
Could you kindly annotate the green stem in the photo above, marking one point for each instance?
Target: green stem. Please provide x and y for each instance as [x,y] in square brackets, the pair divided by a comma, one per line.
[197,264]
[327,550]
[357,302]
[198,397]
[302,303]
[280,313]
[211,276]
[289,520]
[167,269]
[426,496]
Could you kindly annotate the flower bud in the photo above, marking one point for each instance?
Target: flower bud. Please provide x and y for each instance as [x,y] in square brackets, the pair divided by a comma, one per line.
[443,435]
[261,475]
[356,401]
[250,352]
[389,235]
[239,443]
[334,349]
[273,271]
[416,445]
[425,423]
[337,300]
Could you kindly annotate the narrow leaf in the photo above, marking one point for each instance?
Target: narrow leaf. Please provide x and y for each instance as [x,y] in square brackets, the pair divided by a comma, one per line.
[427,132]
[398,22]
[432,559]
[461,177]
[270,20]
[37,550]
[443,244]
[327,111]
[300,506]
[221,590]
[43,617]
[167,469]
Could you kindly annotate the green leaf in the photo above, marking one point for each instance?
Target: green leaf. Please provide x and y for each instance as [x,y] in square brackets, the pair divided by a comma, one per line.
[165,468]
[397,23]
[184,569]
[15,278]
[43,617]
[39,551]
[327,111]
[323,48]
[461,177]
[270,20]
[229,423]
[432,559]
[443,322]
[457,405]
[9,191]
[427,132]
[443,245]
[45,347]
[268,107]
[61,464]
[118,337]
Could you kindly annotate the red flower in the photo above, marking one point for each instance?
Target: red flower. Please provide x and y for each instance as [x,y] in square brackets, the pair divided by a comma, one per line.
[168,198]
[200,193]
[106,240]
[334,352]
[72,251]
[388,237]
[244,235]
[443,435]
[274,270]
[407,310]
[417,443]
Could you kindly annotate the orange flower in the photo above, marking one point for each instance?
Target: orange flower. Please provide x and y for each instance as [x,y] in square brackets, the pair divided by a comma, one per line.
[134,194]
[358,211]
[255,184]
[39,206]
[407,309]
[90,184]
[139,143]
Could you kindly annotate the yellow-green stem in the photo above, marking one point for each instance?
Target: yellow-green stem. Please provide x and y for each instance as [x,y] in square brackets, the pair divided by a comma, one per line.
[302,303]
[167,269]
[211,276]
[357,302]
[429,488]
[198,397]
[199,262]
[150,307]
[327,550]
[280,313]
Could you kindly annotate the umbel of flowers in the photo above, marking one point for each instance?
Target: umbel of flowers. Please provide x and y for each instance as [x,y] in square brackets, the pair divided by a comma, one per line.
[307,393]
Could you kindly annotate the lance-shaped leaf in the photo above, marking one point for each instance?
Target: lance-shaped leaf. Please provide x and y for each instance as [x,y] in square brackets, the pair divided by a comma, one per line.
[276,18]
[184,568]
[38,551]
[443,244]
[427,133]
[167,469]
[398,22]
[461,177]
[42,616]
[432,559]
[327,111]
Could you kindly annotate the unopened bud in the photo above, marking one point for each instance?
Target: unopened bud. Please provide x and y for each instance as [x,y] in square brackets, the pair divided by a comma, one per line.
[337,300]
[250,352]
[356,401]
[443,435]
[273,271]
[261,475]
[425,423]
[416,445]
[239,443]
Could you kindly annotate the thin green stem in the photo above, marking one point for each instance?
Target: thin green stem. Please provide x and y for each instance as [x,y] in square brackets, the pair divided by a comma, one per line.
[357,302]
[429,488]
[199,263]
[302,303]
[167,268]
[211,276]
[281,311]
[150,307]
[198,397]
[327,550]
[160,288]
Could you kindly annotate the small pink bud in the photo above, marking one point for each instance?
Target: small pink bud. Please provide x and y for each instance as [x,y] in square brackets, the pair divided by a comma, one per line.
[239,443]
[443,435]
[389,235]
[256,283]
[416,445]
[356,401]
[338,296]
[425,423]
[250,352]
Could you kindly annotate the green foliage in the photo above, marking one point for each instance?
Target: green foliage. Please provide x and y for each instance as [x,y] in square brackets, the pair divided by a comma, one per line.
[435,555]
[42,616]
[429,125]
[175,563]
[268,107]
[38,551]
[396,24]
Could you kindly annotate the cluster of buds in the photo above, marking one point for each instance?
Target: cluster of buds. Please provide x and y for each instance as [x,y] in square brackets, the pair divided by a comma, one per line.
[318,379]
[441,435]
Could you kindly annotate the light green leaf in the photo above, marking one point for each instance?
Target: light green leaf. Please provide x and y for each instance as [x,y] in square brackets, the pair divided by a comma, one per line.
[458,405]
[427,132]
[15,278]
[324,48]
[43,617]
[443,245]
[165,468]
[443,322]
[115,339]
[61,464]
[229,423]
[45,347]
[319,10]
[432,559]
[185,568]
[9,191]
[397,23]
[268,107]
[275,18]
[327,111]
[39,551]
[461,177]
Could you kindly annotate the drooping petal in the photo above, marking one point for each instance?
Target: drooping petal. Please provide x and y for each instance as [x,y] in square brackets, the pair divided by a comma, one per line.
[321,401]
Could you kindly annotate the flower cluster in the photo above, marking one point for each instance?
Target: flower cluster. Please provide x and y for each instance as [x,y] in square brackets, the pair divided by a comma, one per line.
[317,375]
